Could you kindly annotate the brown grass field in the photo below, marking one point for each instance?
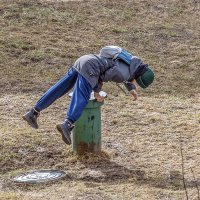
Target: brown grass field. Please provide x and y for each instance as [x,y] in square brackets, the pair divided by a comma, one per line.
[142,140]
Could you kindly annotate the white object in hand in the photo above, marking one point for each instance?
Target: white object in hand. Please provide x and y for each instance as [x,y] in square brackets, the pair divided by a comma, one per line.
[101,93]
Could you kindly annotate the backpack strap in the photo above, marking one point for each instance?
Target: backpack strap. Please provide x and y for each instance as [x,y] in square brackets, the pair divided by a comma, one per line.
[125,56]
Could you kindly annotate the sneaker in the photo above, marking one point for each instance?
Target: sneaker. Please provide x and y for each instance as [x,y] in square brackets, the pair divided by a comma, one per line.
[31,118]
[65,129]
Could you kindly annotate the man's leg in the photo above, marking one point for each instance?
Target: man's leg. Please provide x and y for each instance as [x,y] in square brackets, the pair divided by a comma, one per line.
[79,100]
[55,92]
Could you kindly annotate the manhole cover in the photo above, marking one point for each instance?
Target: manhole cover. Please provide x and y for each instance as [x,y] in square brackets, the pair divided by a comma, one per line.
[39,176]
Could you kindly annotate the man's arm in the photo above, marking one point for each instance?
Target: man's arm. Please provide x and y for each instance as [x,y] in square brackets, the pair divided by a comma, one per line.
[98,87]
[130,86]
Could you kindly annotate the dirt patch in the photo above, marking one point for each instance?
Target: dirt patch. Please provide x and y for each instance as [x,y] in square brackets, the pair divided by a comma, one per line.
[142,148]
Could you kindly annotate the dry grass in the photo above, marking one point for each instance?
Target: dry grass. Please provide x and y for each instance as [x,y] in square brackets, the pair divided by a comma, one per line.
[39,40]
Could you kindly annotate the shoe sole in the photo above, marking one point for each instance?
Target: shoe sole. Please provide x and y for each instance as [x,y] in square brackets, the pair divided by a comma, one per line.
[63,136]
[29,123]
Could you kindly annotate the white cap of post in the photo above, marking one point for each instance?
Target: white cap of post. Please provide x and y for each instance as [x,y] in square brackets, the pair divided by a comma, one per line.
[101,93]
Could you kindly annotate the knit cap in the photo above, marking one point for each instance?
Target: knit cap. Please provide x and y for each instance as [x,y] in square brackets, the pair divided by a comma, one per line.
[146,78]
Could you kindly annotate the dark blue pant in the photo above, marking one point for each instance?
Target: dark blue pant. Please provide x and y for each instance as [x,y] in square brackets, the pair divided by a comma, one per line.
[79,100]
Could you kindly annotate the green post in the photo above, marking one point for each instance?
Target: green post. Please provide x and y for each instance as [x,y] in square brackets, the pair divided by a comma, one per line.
[87,130]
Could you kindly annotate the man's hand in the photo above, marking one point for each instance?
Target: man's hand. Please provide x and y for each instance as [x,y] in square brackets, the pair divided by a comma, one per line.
[98,97]
[134,94]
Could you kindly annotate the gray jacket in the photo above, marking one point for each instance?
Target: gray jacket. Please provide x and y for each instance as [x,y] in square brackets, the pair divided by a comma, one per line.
[96,70]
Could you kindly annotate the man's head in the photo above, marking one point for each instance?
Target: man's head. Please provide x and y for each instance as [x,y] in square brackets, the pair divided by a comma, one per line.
[146,78]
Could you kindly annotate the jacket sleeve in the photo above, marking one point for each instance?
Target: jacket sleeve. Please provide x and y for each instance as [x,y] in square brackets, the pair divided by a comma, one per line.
[129,86]
[98,87]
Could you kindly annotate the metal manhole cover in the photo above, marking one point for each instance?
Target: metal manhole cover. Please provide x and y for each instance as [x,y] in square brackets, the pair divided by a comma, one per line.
[40,176]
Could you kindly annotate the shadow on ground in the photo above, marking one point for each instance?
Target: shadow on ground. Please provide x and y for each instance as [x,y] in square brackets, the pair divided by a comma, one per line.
[107,171]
